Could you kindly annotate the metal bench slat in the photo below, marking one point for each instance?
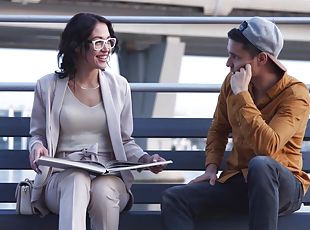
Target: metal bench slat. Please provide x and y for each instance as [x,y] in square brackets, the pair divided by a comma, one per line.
[14,159]
[171,127]
[143,127]
[14,126]
[149,220]
[143,193]
[183,160]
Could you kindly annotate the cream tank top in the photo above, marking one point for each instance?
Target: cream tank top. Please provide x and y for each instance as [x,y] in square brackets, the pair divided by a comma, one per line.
[82,126]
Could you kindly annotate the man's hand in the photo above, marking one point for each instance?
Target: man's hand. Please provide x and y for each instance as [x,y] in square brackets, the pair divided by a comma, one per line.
[240,80]
[209,174]
[37,151]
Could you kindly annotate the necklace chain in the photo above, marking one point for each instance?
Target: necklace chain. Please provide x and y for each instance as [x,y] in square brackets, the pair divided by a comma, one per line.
[86,88]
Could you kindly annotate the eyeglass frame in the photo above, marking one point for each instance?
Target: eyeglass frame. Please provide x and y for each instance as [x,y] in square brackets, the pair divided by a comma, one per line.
[105,42]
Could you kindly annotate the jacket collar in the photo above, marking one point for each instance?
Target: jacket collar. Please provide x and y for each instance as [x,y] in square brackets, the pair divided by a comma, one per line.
[112,119]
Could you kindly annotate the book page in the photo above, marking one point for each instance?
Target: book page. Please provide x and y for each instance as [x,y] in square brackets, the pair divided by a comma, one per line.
[139,166]
[95,167]
[116,163]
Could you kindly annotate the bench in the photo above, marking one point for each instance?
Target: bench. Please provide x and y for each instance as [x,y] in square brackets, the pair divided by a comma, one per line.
[145,193]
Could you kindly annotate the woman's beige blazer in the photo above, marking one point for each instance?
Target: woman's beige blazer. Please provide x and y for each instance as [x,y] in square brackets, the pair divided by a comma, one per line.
[44,123]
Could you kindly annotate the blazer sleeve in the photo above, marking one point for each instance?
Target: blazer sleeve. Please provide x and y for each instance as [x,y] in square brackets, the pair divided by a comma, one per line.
[37,120]
[132,150]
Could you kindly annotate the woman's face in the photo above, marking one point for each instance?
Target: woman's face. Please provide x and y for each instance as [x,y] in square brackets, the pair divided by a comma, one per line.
[100,48]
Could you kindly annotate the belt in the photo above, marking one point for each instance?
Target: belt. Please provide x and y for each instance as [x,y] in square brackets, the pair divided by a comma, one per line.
[91,153]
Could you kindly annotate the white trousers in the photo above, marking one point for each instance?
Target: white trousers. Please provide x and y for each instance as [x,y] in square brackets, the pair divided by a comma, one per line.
[71,193]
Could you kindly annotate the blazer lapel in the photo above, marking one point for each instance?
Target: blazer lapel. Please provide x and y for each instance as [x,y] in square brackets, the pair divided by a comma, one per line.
[112,118]
[57,102]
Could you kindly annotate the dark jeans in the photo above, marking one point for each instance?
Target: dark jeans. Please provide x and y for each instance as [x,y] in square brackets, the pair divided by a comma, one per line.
[271,190]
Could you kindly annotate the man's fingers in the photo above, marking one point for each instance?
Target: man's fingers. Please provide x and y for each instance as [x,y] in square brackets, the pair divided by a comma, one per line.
[194,180]
[197,179]
[248,69]
[212,181]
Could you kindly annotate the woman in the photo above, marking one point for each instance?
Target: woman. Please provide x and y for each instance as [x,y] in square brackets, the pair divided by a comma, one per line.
[77,107]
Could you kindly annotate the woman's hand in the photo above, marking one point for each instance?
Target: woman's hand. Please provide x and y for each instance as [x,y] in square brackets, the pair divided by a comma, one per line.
[158,168]
[37,151]
[151,159]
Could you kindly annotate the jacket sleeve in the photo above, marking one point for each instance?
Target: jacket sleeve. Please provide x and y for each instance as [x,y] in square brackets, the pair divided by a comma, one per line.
[132,150]
[290,119]
[37,120]
[220,128]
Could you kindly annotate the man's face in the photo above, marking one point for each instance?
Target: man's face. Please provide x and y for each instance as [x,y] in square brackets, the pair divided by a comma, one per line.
[238,57]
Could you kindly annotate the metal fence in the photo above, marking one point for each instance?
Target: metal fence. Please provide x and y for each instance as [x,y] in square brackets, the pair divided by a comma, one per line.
[145,87]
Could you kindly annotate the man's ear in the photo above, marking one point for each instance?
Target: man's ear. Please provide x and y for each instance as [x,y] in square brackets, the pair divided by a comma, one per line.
[262,58]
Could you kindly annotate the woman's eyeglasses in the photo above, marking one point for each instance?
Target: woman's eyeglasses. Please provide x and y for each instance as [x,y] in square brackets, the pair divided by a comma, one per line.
[98,44]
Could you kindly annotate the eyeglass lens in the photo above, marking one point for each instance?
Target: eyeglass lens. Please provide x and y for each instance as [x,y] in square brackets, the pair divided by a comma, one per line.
[99,44]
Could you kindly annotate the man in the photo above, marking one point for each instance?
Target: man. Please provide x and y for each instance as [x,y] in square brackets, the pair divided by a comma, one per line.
[266,112]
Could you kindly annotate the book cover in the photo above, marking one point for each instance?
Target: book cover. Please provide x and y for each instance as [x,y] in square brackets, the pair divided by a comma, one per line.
[96,167]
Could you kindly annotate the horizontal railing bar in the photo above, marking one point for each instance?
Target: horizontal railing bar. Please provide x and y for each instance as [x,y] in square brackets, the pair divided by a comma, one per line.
[175,87]
[13,86]
[135,87]
[152,19]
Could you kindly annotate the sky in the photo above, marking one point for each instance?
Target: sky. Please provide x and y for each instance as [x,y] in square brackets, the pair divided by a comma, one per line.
[22,65]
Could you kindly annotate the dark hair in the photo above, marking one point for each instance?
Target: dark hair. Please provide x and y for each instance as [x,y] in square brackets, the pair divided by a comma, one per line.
[237,36]
[74,36]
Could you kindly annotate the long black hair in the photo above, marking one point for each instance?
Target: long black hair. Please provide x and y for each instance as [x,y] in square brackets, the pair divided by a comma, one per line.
[74,36]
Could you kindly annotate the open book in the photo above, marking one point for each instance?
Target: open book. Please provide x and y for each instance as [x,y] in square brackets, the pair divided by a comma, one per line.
[96,167]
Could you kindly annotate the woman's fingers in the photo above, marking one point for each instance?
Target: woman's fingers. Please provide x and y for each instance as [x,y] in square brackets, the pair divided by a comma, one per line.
[36,153]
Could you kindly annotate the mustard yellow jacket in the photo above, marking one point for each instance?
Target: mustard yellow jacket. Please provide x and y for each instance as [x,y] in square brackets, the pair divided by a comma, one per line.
[274,127]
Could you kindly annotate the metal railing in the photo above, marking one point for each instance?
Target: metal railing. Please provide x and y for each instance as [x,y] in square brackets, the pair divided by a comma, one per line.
[145,87]
[152,19]
[135,87]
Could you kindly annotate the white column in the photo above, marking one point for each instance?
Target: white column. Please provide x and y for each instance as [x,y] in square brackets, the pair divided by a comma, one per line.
[164,105]
[170,73]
